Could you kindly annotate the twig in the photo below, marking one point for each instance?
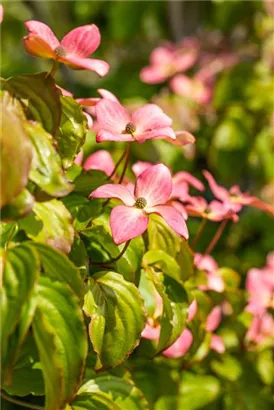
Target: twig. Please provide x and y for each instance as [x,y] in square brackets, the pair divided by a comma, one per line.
[20,403]
[199,233]
[216,237]
[105,264]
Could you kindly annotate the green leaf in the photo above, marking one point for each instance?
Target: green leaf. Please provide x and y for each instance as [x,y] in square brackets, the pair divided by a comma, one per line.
[60,336]
[40,97]
[20,207]
[55,225]
[46,170]
[93,401]
[19,278]
[117,320]
[227,367]
[26,377]
[72,130]
[88,181]
[7,232]
[15,149]
[123,392]
[185,259]
[196,391]
[58,267]
[164,262]
[81,209]
[160,236]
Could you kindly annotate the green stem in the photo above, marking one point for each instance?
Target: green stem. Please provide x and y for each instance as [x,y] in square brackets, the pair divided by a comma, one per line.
[216,237]
[199,233]
[105,264]
[53,68]
[20,403]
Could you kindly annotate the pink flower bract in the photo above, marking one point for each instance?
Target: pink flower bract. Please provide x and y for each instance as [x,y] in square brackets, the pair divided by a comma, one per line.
[152,191]
[115,124]
[73,50]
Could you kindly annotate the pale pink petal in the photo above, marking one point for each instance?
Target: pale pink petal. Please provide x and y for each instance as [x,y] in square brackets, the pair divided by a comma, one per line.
[180,207]
[217,344]
[190,179]
[154,184]
[105,135]
[77,63]
[1,13]
[184,61]
[100,160]
[157,133]
[139,167]
[151,332]
[64,92]
[257,203]
[127,223]
[205,262]
[79,158]
[192,310]
[154,74]
[89,120]
[82,41]
[108,95]
[41,30]
[213,319]
[215,282]
[149,117]
[112,116]
[114,191]
[219,191]
[197,206]
[163,55]
[181,346]
[172,217]
[182,138]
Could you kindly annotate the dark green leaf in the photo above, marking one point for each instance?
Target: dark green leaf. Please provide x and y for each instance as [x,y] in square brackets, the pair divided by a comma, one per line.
[88,181]
[20,207]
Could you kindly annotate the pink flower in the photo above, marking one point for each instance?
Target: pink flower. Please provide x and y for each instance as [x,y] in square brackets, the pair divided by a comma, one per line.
[73,50]
[234,198]
[79,158]
[182,138]
[101,160]
[192,310]
[166,61]
[192,88]
[208,264]
[212,322]
[152,190]
[1,13]
[261,328]
[181,346]
[214,211]
[147,122]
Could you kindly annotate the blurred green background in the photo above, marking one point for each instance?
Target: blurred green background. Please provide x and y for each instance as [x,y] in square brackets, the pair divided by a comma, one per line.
[234,135]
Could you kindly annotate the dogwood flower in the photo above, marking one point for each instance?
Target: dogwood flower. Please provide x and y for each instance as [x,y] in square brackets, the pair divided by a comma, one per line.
[209,265]
[212,322]
[234,198]
[214,211]
[73,50]
[191,88]
[152,191]
[115,124]
[101,161]
[181,346]
[165,61]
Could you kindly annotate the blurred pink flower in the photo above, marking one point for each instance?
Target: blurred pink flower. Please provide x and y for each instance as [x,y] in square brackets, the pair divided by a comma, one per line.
[181,346]
[165,61]
[234,198]
[212,322]
[209,265]
[73,50]
[191,88]
[1,13]
[214,211]
[261,328]
[79,158]
[115,124]
[101,161]
[152,191]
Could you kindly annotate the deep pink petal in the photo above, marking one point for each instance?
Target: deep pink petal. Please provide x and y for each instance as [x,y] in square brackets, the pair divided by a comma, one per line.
[181,346]
[172,217]
[112,116]
[180,207]
[217,344]
[43,32]
[140,166]
[149,117]
[100,160]
[114,191]
[154,184]
[77,63]
[127,223]
[219,191]
[105,135]
[213,319]
[82,41]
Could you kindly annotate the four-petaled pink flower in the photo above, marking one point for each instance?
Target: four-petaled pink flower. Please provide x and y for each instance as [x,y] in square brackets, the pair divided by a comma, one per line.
[73,50]
[234,198]
[214,211]
[115,124]
[165,61]
[152,191]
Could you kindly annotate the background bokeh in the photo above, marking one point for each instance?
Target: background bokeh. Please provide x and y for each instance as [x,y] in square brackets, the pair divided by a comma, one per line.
[234,131]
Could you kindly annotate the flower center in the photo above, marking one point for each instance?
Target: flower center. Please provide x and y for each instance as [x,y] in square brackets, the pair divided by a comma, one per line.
[60,51]
[140,203]
[130,128]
